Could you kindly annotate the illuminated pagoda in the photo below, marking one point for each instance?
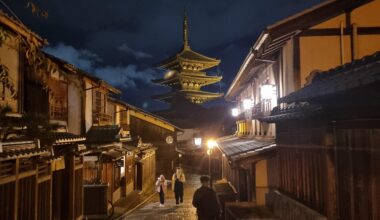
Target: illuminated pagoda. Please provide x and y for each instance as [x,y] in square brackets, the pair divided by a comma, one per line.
[185,74]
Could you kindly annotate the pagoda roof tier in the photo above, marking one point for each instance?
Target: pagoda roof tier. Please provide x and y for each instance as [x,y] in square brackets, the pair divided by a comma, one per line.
[189,60]
[201,80]
[197,97]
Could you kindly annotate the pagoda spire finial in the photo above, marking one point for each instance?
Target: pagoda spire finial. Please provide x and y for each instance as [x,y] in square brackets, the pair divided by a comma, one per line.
[185,31]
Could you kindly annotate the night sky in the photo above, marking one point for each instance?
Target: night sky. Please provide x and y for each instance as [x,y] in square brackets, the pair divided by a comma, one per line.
[122,40]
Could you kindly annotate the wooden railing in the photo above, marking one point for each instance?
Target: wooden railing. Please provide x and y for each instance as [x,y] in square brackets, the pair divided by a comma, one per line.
[58,113]
[101,118]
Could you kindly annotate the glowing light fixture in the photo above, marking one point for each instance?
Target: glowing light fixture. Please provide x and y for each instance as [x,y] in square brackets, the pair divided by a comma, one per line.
[267,91]
[209,152]
[198,141]
[211,144]
[247,104]
[169,74]
[235,112]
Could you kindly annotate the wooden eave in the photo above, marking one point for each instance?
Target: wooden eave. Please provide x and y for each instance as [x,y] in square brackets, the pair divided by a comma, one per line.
[144,115]
[275,36]
[75,70]
[187,93]
[101,83]
[207,80]
[181,57]
[20,28]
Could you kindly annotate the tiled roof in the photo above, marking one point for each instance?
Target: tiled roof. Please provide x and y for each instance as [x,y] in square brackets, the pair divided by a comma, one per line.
[64,138]
[106,133]
[190,55]
[347,77]
[235,146]
[24,153]
[293,111]
[12,150]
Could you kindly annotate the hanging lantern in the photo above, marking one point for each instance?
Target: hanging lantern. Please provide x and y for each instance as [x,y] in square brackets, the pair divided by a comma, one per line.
[267,91]
[247,104]
[198,141]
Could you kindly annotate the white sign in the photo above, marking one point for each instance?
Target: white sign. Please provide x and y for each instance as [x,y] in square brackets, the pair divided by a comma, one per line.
[90,158]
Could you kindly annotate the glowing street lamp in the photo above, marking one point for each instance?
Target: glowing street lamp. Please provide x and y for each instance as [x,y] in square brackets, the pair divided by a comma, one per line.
[247,104]
[210,145]
[235,112]
[198,141]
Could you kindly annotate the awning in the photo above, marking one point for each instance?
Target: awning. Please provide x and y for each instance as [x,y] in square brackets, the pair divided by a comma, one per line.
[104,134]
[235,147]
[113,155]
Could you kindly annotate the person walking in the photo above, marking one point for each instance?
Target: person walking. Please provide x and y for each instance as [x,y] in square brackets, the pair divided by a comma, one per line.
[178,179]
[161,185]
[205,201]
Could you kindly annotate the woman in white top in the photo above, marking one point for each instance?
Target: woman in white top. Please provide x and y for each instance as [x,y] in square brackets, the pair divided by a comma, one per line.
[161,185]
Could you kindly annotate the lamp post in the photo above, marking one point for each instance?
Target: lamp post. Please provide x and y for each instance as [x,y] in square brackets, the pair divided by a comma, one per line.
[210,145]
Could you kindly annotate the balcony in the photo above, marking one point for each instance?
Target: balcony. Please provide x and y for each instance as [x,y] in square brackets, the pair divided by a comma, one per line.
[101,118]
[261,109]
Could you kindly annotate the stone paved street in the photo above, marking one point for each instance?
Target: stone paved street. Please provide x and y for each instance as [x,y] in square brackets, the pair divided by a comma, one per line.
[184,211]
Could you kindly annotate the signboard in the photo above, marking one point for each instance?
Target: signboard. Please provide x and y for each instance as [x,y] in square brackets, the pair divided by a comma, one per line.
[90,158]
[169,139]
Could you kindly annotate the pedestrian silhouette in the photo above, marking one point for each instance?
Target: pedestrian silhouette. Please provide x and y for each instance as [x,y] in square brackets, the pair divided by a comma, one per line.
[205,201]
[178,179]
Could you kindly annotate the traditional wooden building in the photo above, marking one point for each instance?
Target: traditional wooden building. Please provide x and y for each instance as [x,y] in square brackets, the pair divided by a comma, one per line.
[160,133]
[68,151]
[25,181]
[152,129]
[105,164]
[25,166]
[286,57]
[327,137]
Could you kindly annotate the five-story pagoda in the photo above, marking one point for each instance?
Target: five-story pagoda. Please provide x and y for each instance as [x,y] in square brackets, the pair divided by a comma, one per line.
[185,74]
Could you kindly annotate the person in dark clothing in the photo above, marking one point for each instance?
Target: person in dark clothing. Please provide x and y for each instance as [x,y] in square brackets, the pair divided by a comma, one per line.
[178,179]
[205,201]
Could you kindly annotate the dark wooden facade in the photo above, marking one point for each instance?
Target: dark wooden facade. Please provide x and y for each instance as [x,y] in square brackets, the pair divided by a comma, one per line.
[166,154]
[145,174]
[25,182]
[67,192]
[328,144]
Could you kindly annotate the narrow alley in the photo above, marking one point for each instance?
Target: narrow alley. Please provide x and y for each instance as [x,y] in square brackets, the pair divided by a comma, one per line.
[170,212]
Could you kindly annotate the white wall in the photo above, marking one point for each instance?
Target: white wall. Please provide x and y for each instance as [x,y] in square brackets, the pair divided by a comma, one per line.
[9,57]
[88,106]
[74,107]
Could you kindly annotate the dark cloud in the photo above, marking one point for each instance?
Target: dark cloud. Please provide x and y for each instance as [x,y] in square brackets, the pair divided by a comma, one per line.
[121,40]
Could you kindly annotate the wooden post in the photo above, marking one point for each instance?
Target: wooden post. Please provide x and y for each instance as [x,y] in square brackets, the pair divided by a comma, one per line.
[16,188]
[71,182]
[36,194]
